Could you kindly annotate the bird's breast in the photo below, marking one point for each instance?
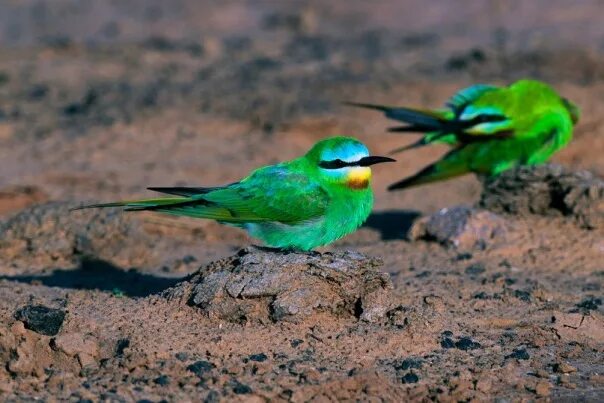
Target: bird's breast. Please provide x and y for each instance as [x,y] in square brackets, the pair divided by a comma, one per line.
[358,178]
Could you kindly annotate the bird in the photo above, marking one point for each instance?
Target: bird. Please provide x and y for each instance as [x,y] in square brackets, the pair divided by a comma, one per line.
[300,204]
[489,129]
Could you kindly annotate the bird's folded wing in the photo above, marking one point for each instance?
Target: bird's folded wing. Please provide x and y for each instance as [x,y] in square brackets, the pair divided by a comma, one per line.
[271,194]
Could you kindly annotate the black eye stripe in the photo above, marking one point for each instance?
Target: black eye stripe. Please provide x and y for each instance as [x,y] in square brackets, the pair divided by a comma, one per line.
[487,118]
[336,164]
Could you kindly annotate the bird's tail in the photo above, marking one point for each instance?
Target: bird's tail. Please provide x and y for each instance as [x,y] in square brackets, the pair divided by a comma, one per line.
[191,202]
[136,205]
[436,124]
[418,120]
[451,165]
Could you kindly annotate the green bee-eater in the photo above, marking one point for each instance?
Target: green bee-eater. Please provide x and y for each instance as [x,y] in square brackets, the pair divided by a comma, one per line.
[491,129]
[299,204]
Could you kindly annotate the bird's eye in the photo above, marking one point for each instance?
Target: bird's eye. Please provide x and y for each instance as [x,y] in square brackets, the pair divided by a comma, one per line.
[333,164]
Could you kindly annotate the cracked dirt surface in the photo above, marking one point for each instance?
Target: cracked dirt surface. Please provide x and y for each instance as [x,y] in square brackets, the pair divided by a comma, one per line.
[475,294]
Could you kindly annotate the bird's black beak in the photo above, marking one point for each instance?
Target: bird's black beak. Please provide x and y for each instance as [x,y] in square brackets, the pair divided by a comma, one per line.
[374,159]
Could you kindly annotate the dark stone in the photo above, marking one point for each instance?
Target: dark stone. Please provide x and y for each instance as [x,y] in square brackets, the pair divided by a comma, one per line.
[120,346]
[466,343]
[212,397]
[475,269]
[447,333]
[463,61]
[258,357]
[509,281]
[408,363]
[241,389]
[200,368]
[447,343]
[41,319]
[590,303]
[410,377]
[189,259]
[37,92]
[162,380]
[296,342]
[519,354]
[523,295]
[83,106]
[463,256]
[418,40]
[181,356]
[481,295]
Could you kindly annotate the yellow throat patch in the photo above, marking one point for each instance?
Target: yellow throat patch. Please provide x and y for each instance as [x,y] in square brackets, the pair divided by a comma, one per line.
[358,178]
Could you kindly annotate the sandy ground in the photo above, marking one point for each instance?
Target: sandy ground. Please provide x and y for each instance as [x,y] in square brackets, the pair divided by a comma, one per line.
[100,99]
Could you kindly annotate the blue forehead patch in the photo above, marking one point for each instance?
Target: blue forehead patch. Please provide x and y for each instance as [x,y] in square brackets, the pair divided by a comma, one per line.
[347,151]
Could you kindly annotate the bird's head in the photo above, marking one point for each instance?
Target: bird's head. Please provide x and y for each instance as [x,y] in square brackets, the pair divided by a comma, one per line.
[344,160]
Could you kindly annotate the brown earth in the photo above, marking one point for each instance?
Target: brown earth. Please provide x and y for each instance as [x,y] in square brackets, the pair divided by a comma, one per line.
[497,297]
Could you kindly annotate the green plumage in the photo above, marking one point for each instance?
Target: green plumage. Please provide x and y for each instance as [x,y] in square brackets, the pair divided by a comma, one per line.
[297,204]
[491,129]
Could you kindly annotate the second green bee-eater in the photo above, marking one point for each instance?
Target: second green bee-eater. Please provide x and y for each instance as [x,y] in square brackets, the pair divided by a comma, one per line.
[491,129]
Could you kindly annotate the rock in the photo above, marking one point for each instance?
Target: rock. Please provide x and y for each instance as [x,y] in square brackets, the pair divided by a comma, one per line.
[466,343]
[258,357]
[519,354]
[461,227]
[547,190]
[563,368]
[82,346]
[447,342]
[240,388]
[475,269]
[120,346]
[50,235]
[543,388]
[162,380]
[408,363]
[270,285]
[410,377]
[200,368]
[590,303]
[41,319]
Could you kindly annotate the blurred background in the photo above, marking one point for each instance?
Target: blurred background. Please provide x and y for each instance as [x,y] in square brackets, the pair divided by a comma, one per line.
[101,98]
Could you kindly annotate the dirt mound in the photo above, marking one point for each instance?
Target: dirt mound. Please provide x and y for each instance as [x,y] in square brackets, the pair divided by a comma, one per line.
[461,227]
[268,285]
[547,190]
[50,236]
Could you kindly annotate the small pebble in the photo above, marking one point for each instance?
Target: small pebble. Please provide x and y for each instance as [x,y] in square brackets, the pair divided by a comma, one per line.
[447,343]
[519,354]
[475,269]
[465,343]
[162,380]
[542,388]
[410,377]
[258,357]
[41,319]
[199,368]
[563,368]
[241,389]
